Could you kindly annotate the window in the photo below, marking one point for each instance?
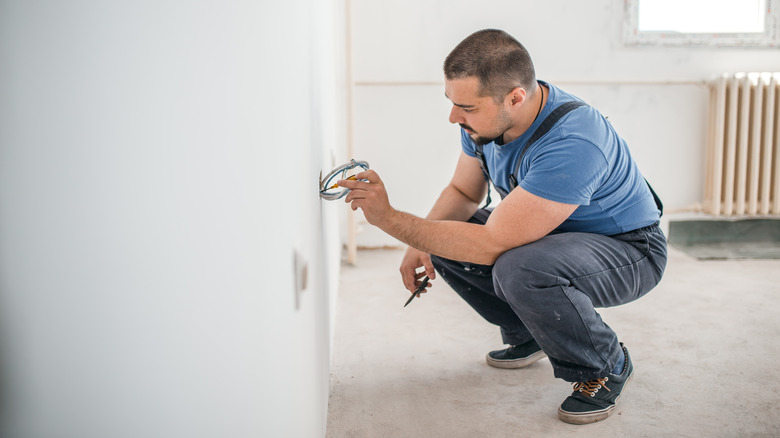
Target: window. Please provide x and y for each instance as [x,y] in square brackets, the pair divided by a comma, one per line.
[703,22]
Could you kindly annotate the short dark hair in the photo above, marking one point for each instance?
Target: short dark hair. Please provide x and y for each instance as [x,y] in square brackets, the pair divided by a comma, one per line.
[494,57]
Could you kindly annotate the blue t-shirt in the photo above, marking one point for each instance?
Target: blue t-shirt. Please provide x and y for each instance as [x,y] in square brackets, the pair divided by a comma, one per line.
[581,160]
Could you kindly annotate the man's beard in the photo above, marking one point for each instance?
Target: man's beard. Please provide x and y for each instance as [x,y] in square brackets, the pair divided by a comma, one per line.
[504,121]
[476,138]
[482,141]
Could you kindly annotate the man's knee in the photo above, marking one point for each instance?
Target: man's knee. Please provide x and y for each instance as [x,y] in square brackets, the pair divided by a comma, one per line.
[520,274]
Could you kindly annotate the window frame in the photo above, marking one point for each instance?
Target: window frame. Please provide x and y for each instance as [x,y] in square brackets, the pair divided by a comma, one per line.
[770,38]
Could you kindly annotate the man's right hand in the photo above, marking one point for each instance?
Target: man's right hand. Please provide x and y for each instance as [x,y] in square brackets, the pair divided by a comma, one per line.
[414,259]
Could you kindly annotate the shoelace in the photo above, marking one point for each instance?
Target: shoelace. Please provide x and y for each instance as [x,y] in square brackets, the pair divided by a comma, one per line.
[592,387]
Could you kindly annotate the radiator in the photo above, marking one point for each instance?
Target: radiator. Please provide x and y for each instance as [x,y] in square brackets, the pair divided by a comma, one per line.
[743,151]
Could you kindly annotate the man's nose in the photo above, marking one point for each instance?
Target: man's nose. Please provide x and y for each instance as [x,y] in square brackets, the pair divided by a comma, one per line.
[455,116]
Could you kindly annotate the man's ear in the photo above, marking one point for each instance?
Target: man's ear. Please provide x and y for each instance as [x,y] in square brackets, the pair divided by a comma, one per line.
[516,96]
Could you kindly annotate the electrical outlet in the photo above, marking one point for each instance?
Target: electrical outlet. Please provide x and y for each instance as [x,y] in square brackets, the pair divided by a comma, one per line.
[301,273]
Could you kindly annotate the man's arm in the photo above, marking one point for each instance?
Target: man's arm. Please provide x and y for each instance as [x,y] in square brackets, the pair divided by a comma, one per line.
[460,199]
[519,219]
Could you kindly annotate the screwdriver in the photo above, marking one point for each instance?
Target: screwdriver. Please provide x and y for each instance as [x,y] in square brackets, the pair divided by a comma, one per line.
[336,185]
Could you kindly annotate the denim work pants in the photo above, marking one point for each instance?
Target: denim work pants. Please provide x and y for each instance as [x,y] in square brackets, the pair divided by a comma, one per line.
[548,291]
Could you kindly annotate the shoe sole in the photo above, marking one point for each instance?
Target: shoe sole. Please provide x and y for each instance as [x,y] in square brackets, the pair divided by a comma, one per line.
[592,416]
[515,363]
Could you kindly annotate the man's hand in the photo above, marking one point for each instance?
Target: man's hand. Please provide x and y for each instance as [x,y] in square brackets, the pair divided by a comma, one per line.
[370,196]
[413,259]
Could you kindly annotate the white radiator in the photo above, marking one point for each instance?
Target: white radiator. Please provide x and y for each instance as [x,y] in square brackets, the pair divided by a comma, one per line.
[743,153]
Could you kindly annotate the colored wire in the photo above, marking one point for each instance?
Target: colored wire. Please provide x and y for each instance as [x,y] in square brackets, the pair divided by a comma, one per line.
[330,191]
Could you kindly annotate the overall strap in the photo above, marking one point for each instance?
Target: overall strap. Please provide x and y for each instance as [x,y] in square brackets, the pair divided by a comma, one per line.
[483,164]
[657,200]
[545,127]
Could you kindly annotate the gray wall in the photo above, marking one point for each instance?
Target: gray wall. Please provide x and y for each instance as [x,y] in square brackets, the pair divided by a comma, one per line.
[158,170]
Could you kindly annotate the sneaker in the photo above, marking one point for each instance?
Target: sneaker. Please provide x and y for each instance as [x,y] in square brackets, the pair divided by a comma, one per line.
[595,400]
[516,356]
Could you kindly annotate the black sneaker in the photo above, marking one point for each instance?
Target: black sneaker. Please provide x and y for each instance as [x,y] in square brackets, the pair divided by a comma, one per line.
[516,356]
[595,400]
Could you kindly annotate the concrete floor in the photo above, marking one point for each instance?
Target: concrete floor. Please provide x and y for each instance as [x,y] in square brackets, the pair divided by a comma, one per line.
[705,345]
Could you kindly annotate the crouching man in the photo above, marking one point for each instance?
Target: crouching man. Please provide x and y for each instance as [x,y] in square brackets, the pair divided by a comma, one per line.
[577,227]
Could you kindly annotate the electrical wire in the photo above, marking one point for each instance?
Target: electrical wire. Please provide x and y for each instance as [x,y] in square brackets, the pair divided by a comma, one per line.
[332,192]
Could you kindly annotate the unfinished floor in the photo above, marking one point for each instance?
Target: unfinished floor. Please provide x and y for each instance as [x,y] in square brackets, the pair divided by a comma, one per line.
[705,345]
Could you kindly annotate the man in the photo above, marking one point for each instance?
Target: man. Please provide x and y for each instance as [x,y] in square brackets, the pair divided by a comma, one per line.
[577,227]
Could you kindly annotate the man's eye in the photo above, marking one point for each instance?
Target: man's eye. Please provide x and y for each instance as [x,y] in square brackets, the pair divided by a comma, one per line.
[468,110]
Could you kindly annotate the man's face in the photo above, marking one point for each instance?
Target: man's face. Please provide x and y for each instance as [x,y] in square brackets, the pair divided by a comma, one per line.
[482,118]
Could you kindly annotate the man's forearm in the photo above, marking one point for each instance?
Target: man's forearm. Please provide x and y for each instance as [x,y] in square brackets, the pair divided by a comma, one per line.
[443,230]
[456,240]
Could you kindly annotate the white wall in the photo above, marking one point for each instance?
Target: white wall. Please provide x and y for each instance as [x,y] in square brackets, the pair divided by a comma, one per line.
[655,97]
[158,168]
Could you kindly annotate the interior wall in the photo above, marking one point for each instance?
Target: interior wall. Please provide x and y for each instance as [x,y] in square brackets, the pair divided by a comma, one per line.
[147,153]
[656,97]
